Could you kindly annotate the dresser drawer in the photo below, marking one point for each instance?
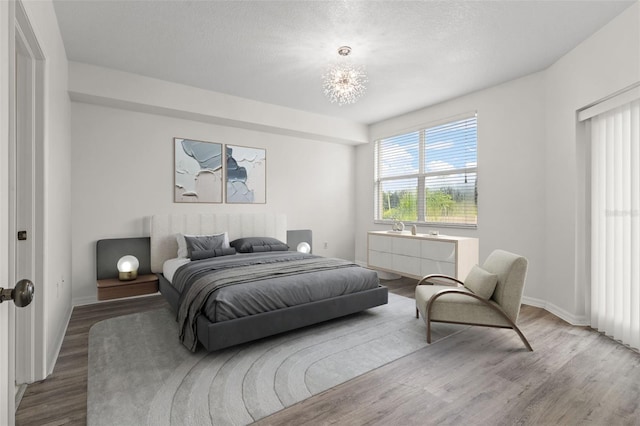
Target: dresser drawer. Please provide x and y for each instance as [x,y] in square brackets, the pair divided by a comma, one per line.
[438,250]
[419,255]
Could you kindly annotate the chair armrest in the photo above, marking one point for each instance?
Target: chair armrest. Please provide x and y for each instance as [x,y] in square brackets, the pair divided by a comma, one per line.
[486,302]
[424,280]
[495,307]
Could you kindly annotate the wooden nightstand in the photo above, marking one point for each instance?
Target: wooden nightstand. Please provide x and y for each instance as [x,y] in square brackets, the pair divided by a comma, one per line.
[113,288]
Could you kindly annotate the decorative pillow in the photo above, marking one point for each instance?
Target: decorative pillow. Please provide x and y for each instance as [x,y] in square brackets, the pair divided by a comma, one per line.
[206,254]
[271,247]
[204,242]
[481,282]
[183,251]
[258,244]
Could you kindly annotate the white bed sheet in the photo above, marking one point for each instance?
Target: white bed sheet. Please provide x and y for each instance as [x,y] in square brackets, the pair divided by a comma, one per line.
[170,267]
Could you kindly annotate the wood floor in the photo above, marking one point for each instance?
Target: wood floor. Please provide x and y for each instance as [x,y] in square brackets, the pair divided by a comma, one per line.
[482,376]
[61,399]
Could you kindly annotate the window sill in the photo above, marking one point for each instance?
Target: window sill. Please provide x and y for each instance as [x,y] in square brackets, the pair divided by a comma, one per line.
[428,224]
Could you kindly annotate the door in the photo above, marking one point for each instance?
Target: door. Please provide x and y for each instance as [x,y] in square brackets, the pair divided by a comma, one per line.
[22,331]
[7,311]
[24,180]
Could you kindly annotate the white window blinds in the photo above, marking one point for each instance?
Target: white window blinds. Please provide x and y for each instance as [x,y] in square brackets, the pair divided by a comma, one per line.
[429,175]
[615,223]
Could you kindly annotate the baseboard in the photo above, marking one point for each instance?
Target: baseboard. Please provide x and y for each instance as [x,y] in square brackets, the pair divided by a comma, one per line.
[92,300]
[52,357]
[578,320]
[20,390]
[88,300]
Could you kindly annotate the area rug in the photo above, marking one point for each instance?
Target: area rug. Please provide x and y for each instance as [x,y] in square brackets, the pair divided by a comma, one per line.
[140,374]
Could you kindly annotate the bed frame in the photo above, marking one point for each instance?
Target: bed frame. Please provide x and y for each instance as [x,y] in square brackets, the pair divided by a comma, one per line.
[214,336]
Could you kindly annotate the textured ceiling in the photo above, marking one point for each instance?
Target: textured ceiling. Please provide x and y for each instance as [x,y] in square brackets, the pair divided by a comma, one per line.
[416,53]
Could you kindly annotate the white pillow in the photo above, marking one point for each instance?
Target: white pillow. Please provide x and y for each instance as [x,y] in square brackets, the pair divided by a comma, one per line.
[481,282]
[183,252]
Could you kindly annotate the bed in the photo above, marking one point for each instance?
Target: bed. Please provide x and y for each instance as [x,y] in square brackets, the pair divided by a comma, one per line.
[331,288]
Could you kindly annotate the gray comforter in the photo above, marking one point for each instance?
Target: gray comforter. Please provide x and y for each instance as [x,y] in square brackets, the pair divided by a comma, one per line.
[269,281]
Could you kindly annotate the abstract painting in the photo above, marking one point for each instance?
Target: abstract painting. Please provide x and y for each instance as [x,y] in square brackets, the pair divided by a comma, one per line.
[198,171]
[246,175]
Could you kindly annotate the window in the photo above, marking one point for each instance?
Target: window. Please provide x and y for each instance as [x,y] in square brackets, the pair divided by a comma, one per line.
[429,175]
[615,219]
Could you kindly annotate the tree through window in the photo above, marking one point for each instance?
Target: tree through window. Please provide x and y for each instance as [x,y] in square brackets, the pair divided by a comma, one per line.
[429,175]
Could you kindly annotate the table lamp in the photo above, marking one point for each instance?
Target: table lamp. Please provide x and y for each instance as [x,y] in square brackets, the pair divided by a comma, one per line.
[303,247]
[128,268]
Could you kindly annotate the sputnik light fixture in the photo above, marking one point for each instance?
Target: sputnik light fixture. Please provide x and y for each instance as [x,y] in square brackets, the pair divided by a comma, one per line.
[343,82]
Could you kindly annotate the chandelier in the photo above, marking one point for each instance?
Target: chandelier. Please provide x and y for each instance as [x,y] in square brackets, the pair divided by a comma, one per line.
[343,82]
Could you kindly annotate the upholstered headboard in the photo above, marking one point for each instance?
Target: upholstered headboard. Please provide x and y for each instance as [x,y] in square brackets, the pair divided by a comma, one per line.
[165,227]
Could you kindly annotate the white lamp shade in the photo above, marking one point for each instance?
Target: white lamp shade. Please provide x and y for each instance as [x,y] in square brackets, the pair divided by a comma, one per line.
[128,263]
[304,247]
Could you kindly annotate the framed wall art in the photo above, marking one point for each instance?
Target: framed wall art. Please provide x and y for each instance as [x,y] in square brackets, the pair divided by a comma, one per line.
[198,171]
[246,174]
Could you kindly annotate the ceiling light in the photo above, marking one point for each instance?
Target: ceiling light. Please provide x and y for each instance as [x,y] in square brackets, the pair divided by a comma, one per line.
[344,82]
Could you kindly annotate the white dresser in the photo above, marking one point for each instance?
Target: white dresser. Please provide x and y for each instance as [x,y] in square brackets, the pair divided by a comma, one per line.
[418,255]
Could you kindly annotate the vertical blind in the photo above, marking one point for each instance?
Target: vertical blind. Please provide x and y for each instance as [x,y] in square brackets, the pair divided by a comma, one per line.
[615,223]
[429,175]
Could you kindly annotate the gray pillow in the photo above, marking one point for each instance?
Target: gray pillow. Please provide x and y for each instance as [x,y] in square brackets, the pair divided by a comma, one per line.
[206,254]
[481,282]
[258,244]
[182,243]
[203,243]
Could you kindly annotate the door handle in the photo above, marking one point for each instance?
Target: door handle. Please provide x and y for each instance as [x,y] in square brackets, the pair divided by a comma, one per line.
[21,295]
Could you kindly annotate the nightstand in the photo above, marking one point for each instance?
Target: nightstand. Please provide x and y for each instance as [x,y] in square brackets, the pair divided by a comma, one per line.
[108,252]
[113,288]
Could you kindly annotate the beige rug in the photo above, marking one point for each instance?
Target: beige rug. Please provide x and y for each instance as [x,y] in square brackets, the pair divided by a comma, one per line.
[140,374]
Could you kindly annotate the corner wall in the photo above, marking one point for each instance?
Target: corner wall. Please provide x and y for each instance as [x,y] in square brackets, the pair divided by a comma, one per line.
[603,64]
[511,152]
[531,163]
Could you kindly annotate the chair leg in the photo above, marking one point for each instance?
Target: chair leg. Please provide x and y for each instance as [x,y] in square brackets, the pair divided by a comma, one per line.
[524,339]
[428,323]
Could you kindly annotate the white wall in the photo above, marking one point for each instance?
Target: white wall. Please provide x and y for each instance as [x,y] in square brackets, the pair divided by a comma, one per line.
[511,155]
[600,66]
[56,287]
[530,198]
[123,172]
